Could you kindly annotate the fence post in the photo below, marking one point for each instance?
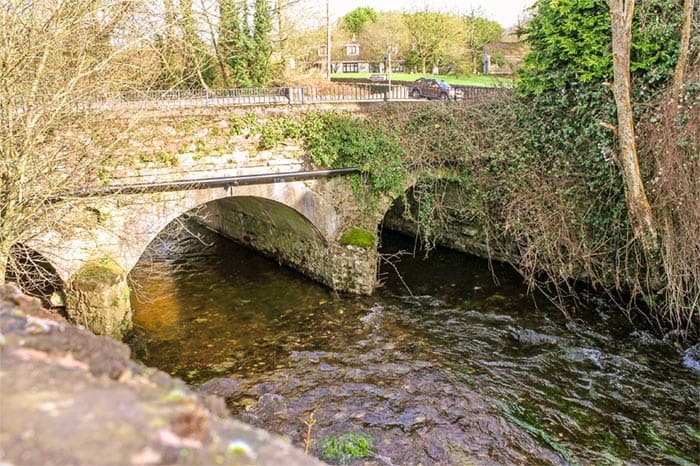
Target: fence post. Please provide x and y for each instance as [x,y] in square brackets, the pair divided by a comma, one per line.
[386,93]
[302,95]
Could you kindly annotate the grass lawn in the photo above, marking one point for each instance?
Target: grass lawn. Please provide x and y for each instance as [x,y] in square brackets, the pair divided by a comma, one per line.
[483,81]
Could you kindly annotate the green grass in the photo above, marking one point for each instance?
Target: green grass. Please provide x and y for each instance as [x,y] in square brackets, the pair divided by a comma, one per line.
[483,81]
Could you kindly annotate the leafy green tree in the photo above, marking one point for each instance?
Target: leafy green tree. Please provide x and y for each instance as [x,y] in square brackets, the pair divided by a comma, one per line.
[569,42]
[448,42]
[430,34]
[246,50]
[357,18]
[582,135]
[388,31]
[478,32]
[234,42]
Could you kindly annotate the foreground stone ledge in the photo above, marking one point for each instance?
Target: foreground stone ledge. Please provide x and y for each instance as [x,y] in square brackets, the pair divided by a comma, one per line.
[68,396]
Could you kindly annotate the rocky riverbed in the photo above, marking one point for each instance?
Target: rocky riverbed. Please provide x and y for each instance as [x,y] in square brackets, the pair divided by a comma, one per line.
[68,396]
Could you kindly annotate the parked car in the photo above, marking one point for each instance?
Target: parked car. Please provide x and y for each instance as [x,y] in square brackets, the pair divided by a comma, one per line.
[432,88]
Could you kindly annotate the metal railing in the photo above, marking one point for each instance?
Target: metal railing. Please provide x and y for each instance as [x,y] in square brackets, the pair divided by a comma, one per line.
[206,183]
[182,98]
[331,93]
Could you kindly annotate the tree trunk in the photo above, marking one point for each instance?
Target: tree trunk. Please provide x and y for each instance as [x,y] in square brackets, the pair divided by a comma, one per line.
[278,13]
[679,75]
[622,12]
[216,47]
[4,259]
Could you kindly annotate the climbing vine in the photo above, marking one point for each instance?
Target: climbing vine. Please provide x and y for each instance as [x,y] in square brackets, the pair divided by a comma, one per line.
[338,140]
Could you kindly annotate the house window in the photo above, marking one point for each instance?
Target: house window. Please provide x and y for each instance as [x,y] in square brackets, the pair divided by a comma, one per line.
[322,51]
[350,68]
[352,50]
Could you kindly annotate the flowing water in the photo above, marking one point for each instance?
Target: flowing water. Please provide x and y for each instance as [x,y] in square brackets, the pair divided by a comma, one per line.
[443,365]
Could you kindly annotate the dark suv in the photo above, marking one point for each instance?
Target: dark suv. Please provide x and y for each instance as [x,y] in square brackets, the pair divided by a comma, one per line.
[432,88]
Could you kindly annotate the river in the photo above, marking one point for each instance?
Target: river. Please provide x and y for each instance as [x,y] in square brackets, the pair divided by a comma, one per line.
[449,362]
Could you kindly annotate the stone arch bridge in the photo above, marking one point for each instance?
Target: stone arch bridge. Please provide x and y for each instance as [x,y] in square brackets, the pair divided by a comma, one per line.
[269,201]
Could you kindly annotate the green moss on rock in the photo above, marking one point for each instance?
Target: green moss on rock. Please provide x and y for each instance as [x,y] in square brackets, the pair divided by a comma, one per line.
[96,274]
[358,237]
[346,447]
[98,297]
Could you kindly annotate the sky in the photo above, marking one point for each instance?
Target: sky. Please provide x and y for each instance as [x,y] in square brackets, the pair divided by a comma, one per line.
[505,12]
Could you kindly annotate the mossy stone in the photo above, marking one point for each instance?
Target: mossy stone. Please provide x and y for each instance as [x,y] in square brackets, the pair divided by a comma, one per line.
[358,237]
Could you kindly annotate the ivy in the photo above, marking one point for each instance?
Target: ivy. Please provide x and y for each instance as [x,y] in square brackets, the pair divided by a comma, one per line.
[339,140]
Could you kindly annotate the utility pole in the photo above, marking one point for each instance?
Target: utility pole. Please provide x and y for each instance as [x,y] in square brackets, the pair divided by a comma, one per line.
[388,67]
[328,39]
[390,49]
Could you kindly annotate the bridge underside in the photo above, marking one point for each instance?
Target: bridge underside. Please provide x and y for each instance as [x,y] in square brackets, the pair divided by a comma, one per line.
[283,234]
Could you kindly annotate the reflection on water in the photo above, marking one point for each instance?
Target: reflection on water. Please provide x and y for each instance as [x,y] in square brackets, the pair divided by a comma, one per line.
[461,369]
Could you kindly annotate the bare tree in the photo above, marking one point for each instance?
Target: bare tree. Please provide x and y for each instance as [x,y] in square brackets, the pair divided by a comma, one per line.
[54,58]
[387,33]
[282,23]
[641,218]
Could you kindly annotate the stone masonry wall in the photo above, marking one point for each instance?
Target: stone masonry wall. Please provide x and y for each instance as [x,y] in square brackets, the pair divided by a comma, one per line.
[457,230]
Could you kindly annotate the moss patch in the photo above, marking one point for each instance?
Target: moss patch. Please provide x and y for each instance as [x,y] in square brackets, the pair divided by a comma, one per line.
[358,237]
[346,447]
[96,274]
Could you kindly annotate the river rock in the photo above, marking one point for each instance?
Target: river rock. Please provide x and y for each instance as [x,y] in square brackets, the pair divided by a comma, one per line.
[691,358]
[99,298]
[222,386]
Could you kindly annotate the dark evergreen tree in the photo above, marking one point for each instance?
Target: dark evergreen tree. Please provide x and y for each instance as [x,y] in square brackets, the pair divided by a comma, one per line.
[259,64]
[234,42]
[198,69]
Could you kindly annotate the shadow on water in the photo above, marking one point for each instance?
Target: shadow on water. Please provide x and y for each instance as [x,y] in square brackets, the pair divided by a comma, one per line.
[461,370]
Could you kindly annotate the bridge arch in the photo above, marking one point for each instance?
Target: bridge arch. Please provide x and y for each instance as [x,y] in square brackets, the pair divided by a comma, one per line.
[269,227]
[299,223]
[451,214]
[35,275]
[307,213]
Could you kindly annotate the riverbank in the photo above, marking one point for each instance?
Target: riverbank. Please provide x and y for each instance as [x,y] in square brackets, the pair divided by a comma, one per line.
[70,397]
